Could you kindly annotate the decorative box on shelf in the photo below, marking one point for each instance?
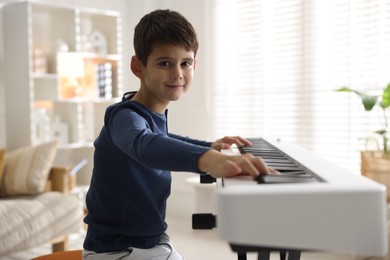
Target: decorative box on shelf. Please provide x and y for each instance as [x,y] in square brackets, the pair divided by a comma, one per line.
[87,75]
[376,166]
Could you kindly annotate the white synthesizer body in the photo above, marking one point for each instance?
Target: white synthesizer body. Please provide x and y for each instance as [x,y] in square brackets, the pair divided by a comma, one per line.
[345,212]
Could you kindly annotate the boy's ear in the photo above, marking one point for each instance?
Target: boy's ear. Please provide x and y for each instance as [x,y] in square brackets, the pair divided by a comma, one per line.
[136,67]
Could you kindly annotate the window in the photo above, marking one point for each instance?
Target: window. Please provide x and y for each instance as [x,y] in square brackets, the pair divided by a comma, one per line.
[277,64]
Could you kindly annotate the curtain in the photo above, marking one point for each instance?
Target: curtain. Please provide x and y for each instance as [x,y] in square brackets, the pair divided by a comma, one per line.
[276,66]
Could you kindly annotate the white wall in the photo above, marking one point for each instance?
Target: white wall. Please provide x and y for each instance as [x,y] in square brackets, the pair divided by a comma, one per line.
[190,116]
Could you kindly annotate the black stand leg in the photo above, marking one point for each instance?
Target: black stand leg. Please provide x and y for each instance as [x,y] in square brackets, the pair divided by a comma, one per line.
[241,256]
[264,253]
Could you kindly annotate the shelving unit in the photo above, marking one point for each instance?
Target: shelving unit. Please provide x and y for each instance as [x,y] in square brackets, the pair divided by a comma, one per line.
[62,69]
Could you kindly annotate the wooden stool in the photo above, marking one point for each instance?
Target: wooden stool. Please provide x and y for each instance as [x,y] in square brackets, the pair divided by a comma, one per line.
[62,255]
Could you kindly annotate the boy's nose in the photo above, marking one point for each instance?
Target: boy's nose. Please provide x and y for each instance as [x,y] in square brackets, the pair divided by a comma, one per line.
[177,74]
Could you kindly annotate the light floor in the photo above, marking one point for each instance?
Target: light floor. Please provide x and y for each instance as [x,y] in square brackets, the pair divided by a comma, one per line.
[193,244]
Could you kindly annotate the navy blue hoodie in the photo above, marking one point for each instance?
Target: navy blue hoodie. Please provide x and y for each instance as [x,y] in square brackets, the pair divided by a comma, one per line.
[131,180]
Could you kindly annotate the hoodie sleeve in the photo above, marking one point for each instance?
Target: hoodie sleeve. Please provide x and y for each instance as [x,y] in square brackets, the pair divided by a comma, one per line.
[190,140]
[137,137]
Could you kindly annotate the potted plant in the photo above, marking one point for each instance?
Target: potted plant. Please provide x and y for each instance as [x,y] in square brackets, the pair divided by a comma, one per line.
[376,164]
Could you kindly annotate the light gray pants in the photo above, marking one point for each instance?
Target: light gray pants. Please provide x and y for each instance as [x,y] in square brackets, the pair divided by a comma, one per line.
[162,251]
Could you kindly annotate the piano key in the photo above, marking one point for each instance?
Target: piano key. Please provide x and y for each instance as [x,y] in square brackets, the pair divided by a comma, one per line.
[263,148]
[276,160]
[286,168]
[267,155]
[273,157]
[293,172]
[270,156]
[286,163]
[271,178]
[258,149]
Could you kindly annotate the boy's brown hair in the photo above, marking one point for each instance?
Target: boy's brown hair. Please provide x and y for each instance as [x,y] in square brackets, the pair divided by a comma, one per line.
[163,27]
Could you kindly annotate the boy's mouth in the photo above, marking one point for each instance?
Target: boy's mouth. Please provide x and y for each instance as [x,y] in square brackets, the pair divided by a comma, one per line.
[174,85]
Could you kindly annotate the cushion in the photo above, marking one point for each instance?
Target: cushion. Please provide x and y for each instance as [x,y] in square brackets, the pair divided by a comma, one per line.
[26,169]
[36,219]
[2,162]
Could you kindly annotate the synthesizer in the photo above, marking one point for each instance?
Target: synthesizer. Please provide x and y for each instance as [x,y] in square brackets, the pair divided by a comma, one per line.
[312,204]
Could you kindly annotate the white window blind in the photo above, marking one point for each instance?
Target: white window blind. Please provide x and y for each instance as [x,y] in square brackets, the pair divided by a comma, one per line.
[277,64]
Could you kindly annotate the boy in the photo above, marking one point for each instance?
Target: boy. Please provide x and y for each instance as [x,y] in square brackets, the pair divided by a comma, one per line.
[134,152]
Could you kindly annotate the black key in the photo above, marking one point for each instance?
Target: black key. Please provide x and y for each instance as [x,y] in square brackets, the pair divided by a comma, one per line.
[286,168]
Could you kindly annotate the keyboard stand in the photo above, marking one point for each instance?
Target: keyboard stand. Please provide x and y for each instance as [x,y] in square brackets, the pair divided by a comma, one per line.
[263,253]
[208,221]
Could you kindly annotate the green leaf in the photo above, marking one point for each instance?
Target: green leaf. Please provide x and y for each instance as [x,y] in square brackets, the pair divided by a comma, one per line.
[346,89]
[385,103]
[381,132]
[367,100]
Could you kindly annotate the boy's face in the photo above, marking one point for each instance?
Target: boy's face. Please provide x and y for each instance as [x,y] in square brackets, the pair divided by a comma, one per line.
[168,74]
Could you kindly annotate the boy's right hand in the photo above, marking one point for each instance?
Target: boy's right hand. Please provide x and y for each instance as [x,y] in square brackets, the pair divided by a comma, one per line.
[219,165]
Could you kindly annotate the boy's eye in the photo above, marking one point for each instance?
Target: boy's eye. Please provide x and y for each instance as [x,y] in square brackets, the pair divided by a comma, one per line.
[164,63]
[167,64]
[186,64]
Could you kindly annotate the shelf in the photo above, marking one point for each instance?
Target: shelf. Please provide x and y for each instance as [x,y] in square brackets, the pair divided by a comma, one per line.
[99,57]
[35,35]
[96,31]
[45,76]
[50,25]
[45,86]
